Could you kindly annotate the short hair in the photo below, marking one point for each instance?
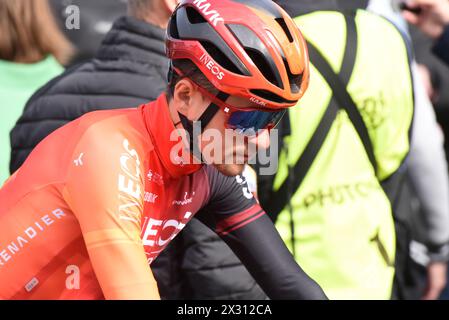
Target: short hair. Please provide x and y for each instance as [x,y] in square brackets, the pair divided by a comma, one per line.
[189,70]
[29,32]
[138,7]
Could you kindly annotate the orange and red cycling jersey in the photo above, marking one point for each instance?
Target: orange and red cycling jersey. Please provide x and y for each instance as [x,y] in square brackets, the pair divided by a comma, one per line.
[98,200]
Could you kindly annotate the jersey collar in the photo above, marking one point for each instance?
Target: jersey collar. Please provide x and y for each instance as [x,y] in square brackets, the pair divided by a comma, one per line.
[160,127]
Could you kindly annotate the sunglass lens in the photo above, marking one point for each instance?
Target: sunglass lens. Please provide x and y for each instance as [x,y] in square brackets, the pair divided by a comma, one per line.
[249,123]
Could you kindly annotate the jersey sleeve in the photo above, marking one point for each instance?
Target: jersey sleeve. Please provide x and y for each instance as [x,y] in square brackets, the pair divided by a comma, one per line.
[261,249]
[231,203]
[238,219]
[104,189]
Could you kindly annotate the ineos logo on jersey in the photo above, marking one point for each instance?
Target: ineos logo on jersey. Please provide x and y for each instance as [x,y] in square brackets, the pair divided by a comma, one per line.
[215,70]
[212,15]
[153,229]
[129,180]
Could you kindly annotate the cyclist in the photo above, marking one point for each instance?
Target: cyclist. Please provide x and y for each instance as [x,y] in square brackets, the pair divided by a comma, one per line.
[99,199]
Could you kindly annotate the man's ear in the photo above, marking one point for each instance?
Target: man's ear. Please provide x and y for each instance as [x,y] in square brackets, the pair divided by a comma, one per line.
[183,95]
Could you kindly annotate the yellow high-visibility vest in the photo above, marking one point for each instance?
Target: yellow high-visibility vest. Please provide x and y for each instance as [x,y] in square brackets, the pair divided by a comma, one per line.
[344,230]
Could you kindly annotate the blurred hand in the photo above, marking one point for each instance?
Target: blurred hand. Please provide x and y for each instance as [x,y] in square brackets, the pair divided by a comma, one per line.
[436,280]
[432,19]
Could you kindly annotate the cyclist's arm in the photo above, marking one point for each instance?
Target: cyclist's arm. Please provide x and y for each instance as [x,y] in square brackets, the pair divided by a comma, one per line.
[261,249]
[103,193]
[240,221]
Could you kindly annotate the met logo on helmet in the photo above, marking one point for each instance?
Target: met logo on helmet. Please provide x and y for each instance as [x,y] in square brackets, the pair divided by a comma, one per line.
[216,71]
[213,16]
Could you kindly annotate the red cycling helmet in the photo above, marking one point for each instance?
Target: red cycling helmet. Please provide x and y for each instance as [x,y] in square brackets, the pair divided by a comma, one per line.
[246,48]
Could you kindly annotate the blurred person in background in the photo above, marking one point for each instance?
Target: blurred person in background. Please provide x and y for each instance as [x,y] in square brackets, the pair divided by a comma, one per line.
[422,251]
[349,139]
[435,74]
[95,20]
[433,69]
[32,50]
[130,69]
[432,18]
[430,33]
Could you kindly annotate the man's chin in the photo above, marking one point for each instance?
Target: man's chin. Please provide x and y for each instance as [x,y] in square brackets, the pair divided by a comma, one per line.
[230,170]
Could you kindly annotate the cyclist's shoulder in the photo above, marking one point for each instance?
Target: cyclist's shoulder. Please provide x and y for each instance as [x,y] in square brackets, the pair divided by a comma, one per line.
[110,125]
[105,145]
[101,120]
[98,139]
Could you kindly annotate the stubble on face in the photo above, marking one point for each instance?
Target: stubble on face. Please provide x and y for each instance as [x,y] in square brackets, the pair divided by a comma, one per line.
[230,170]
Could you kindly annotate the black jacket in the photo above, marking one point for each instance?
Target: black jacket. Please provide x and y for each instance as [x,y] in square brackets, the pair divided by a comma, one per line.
[130,69]
[441,48]
[95,18]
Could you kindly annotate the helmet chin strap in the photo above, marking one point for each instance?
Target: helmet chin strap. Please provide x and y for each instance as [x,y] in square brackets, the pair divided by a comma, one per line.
[203,122]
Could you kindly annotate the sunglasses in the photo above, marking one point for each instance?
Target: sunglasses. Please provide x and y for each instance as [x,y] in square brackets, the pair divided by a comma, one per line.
[246,121]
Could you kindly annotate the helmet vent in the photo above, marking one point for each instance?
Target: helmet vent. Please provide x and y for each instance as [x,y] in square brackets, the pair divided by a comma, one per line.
[284,27]
[220,57]
[267,95]
[262,64]
[295,79]
[268,6]
[173,27]
[258,52]
[194,16]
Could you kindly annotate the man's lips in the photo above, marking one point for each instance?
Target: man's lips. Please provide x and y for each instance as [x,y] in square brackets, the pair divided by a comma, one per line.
[241,155]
